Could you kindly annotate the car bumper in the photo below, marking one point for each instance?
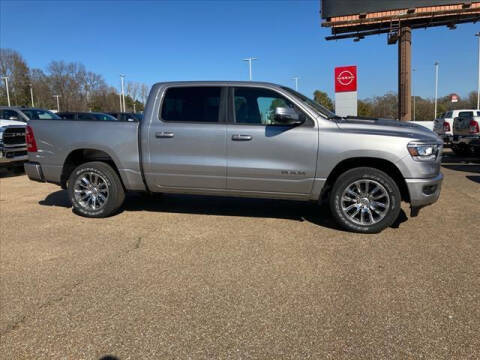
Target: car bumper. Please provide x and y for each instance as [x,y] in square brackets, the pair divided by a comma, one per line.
[12,154]
[471,140]
[424,192]
[34,171]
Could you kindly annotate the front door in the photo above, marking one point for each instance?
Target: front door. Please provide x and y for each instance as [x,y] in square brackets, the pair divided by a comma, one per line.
[268,158]
[187,146]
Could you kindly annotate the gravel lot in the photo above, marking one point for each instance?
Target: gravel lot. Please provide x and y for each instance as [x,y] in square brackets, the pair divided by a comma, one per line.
[210,278]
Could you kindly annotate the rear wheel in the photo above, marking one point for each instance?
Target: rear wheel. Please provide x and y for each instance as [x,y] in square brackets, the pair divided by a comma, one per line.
[95,190]
[365,200]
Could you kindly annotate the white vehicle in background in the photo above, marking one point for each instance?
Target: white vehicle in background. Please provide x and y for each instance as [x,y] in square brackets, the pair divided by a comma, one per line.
[13,147]
[443,125]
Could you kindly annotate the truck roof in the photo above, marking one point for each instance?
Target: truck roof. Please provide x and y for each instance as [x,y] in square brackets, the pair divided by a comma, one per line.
[218,82]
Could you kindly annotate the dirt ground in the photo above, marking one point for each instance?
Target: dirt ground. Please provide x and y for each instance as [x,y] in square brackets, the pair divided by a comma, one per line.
[216,278]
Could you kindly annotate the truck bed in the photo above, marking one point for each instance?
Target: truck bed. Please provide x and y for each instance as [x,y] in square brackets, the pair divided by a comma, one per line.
[58,139]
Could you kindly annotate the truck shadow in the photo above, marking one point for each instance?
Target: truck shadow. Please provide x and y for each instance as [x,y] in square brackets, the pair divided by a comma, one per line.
[222,206]
[6,173]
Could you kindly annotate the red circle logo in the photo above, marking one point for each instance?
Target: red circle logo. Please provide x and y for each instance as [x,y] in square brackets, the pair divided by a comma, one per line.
[345,78]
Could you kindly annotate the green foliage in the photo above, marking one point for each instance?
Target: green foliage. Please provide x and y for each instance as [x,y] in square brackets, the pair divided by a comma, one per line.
[323,99]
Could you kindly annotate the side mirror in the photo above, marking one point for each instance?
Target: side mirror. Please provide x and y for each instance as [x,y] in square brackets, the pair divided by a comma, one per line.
[286,116]
[12,118]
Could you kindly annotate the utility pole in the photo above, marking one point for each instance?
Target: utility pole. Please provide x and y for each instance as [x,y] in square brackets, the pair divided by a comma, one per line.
[31,95]
[478,89]
[250,59]
[413,92]
[58,102]
[122,77]
[436,87]
[6,85]
[296,82]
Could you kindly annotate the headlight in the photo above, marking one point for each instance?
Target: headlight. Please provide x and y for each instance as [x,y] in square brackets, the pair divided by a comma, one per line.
[423,152]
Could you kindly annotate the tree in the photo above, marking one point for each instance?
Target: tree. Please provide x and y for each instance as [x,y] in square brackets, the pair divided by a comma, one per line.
[13,66]
[323,99]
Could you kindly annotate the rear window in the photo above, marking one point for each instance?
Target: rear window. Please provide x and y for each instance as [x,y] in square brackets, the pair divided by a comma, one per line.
[192,104]
[465,114]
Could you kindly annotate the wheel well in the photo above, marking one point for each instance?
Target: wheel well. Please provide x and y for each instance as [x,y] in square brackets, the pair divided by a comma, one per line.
[384,165]
[81,156]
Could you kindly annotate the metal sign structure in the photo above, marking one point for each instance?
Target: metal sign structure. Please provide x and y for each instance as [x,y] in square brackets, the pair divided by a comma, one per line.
[346,90]
[396,18]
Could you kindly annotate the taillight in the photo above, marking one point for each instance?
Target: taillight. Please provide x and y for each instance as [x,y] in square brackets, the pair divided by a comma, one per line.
[474,129]
[30,139]
[446,126]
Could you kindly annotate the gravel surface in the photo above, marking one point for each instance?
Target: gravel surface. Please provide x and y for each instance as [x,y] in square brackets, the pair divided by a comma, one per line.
[221,278]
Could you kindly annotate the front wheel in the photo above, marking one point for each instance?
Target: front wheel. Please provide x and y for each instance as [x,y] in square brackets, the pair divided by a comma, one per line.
[365,200]
[95,190]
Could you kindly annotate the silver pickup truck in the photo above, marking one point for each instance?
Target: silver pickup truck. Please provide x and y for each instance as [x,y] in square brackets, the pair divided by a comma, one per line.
[241,139]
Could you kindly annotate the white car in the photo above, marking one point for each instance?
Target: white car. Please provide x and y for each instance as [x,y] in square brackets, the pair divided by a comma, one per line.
[443,125]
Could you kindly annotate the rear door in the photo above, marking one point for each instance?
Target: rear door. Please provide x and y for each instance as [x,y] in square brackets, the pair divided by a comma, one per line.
[187,146]
[268,158]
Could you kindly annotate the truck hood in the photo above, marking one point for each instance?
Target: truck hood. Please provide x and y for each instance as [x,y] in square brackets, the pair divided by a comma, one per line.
[11,122]
[387,127]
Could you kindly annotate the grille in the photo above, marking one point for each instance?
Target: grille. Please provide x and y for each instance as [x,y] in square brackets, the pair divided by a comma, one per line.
[14,136]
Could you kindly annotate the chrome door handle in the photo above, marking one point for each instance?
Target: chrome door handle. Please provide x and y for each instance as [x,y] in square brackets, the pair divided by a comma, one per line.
[164,135]
[239,137]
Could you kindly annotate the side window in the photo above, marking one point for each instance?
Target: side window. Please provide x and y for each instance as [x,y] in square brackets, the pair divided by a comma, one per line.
[85,116]
[257,106]
[448,115]
[192,104]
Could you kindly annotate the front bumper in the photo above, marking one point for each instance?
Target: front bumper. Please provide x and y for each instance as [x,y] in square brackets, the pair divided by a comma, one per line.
[424,192]
[12,154]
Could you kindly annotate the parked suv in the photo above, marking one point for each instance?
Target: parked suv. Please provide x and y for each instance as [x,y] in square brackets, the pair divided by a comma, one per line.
[248,139]
[466,133]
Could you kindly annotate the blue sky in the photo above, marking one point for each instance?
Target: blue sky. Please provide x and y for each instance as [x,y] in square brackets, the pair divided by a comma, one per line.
[153,41]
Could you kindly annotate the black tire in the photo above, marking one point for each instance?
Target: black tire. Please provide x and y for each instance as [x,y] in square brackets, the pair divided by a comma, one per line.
[377,222]
[109,180]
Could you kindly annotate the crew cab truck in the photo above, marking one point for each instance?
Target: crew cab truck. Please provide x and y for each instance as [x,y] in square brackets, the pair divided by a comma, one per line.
[248,139]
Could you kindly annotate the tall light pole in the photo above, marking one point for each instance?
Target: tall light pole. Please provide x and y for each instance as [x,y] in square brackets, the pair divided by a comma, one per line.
[436,87]
[250,59]
[296,82]
[413,92]
[122,77]
[31,94]
[58,102]
[6,85]
[478,89]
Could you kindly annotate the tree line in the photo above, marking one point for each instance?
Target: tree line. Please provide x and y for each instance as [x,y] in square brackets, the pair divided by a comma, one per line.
[386,106]
[78,88]
[83,90]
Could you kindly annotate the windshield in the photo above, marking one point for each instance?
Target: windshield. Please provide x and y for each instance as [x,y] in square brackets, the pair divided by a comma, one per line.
[34,114]
[312,104]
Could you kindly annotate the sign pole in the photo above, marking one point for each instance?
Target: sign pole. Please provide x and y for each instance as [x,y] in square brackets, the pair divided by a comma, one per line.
[404,74]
